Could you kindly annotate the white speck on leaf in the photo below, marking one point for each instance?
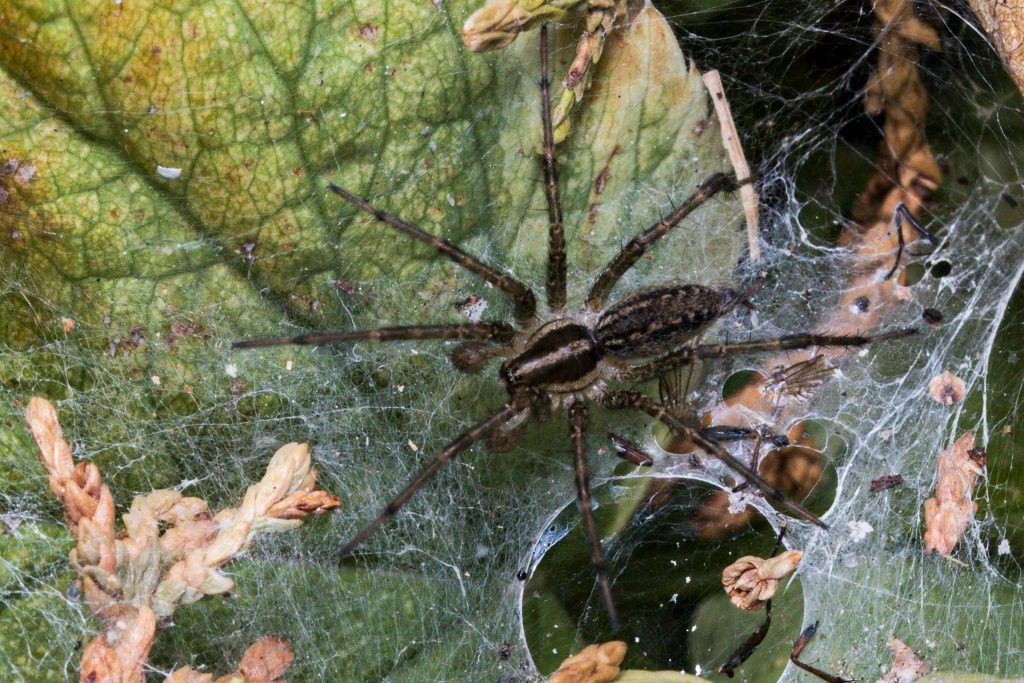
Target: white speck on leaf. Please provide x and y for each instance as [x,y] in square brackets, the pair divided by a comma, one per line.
[231,370]
[168,172]
[25,173]
[1004,547]
[155,379]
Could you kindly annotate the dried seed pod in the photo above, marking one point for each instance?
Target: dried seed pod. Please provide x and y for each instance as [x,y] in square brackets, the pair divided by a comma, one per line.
[751,581]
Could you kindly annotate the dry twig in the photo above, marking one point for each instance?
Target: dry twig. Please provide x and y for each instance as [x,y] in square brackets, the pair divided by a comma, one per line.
[731,141]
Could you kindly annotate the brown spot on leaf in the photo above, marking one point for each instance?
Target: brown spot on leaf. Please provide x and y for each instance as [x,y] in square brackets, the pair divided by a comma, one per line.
[345,286]
[127,343]
[181,329]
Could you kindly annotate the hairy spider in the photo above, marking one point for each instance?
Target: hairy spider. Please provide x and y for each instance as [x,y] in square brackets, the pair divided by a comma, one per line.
[565,359]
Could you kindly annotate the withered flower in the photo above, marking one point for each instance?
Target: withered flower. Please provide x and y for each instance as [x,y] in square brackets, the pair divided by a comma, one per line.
[169,553]
[498,23]
[752,581]
[593,664]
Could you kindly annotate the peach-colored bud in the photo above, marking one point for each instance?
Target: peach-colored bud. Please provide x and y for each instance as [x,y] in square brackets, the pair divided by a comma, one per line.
[752,581]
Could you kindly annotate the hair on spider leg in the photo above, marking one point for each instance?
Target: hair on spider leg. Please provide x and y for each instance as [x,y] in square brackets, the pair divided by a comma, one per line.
[559,360]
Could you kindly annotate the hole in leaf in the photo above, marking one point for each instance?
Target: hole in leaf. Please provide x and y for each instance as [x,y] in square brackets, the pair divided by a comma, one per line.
[737,381]
[913,273]
[941,269]
[805,469]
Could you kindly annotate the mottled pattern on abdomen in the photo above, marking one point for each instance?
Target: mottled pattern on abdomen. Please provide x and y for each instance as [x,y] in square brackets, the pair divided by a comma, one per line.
[656,320]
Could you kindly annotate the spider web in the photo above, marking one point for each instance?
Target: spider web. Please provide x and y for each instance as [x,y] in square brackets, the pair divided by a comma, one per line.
[434,595]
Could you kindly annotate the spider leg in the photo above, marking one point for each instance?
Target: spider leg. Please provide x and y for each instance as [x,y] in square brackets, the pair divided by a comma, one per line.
[556,231]
[899,214]
[798,648]
[629,255]
[633,399]
[525,302]
[578,415]
[688,354]
[509,411]
[490,331]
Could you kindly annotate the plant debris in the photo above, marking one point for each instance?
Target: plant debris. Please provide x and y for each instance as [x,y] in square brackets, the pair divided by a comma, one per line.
[751,581]
[886,482]
[593,664]
[171,548]
[947,388]
[906,665]
[947,514]
[798,648]
[265,661]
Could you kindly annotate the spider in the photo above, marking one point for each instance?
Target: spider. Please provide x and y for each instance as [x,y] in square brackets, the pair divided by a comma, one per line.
[567,360]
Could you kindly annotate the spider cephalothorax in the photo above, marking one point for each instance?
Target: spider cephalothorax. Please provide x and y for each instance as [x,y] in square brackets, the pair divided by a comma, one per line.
[567,360]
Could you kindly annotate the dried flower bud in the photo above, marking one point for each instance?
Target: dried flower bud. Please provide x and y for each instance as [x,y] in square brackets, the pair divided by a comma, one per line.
[169,553]
[593,664]
[499,22]
[123,662]
[752,581]
[300,504]
[946,388]
[947,514]
[266,660]
[189,675]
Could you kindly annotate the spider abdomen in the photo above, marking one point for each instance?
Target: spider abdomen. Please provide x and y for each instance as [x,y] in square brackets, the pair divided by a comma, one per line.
[655,320]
